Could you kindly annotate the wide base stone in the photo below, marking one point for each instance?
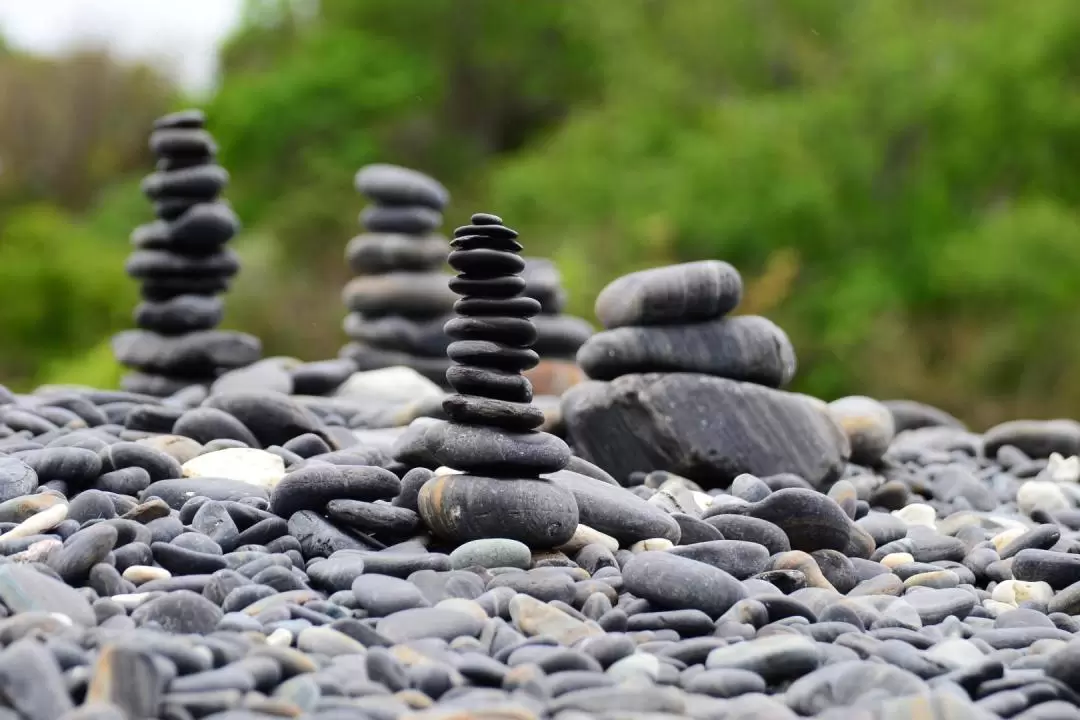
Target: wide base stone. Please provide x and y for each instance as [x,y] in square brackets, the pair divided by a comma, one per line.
[706,428]
[460,508]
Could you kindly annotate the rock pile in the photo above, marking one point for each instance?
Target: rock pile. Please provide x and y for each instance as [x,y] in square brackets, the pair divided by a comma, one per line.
[681,386]
[491,435]
[399,300]
[246,556]
[183,267]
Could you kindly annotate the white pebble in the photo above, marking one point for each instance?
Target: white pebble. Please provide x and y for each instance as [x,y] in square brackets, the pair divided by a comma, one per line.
[1063,469]
[652,544]
[917,514]
[257,467]
[130,601]
[38,523]
[1041,495]
[140,574]
[585,535]
[1014,592]
[280,638]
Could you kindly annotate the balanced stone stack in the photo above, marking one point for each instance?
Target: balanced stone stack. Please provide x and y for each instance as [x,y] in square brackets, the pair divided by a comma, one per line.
[400,300]
[692,390]
[558,336]
[491,434]
[183,266]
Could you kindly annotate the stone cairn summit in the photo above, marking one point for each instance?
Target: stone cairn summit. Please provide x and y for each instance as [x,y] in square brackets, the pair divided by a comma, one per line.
[183,267]
[558,336]
[491,434]
[692,390]
[399,300]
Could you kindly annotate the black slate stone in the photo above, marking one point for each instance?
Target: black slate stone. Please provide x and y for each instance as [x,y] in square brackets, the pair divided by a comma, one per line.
[616,511]
[313,486]
[670,581]
[689,292]
[177,491]
[395,185]
[181,611]
[273,419]
[180,314]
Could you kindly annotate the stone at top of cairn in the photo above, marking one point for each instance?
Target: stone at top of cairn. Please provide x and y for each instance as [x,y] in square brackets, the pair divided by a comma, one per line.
[399,299]
[491,433]
[183,267]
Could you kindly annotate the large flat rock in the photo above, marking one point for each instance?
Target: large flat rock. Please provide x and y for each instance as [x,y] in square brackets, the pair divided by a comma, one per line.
[705,428]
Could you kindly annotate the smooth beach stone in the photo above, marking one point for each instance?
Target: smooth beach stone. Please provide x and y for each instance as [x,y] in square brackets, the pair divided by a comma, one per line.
[751,529]
[683,423]
[844,683]
[460,508]
[726,683]
[202,228]
[868,425]
[163,265]
[155,385]
[560,335]
[266,375]
[181,611]
[934,605]
[313,486]
[747,348]
[738,558]
[396,185]
[670,581]
[690,292]
[418,623]
[205,424]
[16,479]
[412,294]
[32,681]
[202,182]
[810,520]
[73,465]
[513,417]
[170,141]
[272,418]
[614,511]
[1056,568]
[491,553]
[373,254]
[176,492]
[484,450]
[82,551]
[382,595]
[410,219]
[780,657]
[381,519]
[1036,438]
[23,590]
[194,354]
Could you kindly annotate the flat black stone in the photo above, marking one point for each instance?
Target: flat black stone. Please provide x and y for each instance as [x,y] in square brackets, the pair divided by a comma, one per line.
[312,487]
[499,288]
[192,118]
[409,219]
[425,338]
[203,228]
[321,377]
[377,519]
[518,307]
[151,236]
[73,465]
[82,551]
[416,295]
[321,538]
[130,454]
[675,294]
[560,335]
[461,508]
[396,185]
[178,491]
[273,419]
[180,314]
[204,424]
[200,181]
[511,331]
[185,141]
[163,264]
[489,451]
[472,380]
[181,611]
[165,288]
[374,254]
[483,263]
[492,355]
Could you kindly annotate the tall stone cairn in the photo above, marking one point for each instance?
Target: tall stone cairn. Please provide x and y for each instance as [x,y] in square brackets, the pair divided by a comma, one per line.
[399,299]
[491,434]
[183,267]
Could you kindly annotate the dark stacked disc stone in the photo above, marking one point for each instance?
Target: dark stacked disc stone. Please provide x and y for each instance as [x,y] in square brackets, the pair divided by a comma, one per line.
[183,267]
[491,435]
[399,300]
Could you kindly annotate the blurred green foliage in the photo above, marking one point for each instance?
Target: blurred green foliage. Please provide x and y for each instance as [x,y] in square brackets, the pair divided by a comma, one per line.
[897,181]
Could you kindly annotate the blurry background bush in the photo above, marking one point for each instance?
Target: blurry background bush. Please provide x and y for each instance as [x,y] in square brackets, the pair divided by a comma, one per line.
[898,182]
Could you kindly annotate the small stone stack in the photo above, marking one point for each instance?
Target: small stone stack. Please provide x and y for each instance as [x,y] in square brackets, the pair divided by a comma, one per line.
[491,434]
[558,336]
[692,390]
[183,267]
[400,300]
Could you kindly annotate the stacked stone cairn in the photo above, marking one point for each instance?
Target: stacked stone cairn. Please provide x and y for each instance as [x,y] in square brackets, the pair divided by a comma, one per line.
[183,266]
[399,300]
[491,435]
[681,386]
[558,336]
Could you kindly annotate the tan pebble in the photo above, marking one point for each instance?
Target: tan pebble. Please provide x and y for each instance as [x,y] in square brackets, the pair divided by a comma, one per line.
[140,574]
[652,544]
[36,524]
[895,560]
[585,535]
